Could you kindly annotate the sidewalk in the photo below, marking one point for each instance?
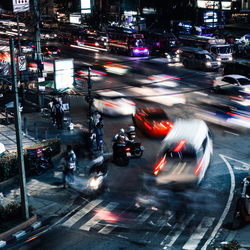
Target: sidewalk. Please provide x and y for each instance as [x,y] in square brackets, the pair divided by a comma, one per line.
[45,192]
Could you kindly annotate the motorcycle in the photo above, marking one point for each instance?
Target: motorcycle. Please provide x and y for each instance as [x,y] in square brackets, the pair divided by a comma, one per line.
[121,154]
[242,211]
[136,149]
[39,159]
[97,177]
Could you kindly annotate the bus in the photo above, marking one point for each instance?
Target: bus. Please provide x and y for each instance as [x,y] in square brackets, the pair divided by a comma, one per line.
[217,47]
[126,40]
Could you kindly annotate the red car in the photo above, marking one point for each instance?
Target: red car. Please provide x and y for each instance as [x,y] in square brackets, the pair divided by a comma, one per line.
[152,121]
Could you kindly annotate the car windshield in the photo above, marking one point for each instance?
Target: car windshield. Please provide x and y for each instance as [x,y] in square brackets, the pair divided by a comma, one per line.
[224,50]
[244,81]
[157,116]
[184,154]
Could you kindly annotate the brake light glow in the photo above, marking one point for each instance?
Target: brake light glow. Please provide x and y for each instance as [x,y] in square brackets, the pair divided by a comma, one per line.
[138,117]
[179,146]
[198,168]
[49,52]
[214,81]
[59,50]
[129,102]
[159,166]
[127,149]
[147,126]
[112,105]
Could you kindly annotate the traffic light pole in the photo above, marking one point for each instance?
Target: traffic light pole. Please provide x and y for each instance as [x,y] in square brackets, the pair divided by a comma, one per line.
[20,158]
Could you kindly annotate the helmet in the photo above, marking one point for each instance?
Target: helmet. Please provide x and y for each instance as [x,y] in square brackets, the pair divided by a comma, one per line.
[131,129]
[121,132]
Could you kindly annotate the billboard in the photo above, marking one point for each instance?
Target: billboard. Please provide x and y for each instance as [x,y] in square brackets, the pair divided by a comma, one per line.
[20,5]
[214,4]
[64,73]
[85,6]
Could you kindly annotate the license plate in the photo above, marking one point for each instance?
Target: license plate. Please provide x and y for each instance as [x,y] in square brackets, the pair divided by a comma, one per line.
[128,154]
[141,147]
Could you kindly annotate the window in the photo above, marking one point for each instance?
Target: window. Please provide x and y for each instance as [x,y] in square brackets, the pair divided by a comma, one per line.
[229,80]
[243,81]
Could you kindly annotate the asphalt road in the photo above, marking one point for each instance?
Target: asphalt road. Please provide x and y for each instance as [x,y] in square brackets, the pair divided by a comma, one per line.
[191,220]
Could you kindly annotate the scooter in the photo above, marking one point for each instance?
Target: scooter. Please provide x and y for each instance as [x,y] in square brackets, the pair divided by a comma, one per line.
[136,149]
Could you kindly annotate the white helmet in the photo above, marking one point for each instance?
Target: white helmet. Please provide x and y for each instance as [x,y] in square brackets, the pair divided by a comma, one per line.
[131,129]
[121,132]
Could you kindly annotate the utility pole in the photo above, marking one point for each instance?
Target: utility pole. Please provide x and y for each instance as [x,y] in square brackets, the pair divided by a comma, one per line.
[20,158]
[18,41]
[38,54]
[89,99]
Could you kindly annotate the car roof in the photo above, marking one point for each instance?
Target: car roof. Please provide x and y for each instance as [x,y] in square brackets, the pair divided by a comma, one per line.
[236,76]
[195,50]
[150,110]
[193,131]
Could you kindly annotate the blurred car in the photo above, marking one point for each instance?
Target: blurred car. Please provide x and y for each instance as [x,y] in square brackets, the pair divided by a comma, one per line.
[236,80]
[153,121]
[165,81]
[184,156]
[95,74]
[51,51]
[113,103]
[2,149]
[27,46]
[48,35]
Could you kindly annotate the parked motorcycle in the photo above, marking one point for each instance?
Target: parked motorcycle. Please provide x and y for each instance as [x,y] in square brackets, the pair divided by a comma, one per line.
[39,159]
[242,211]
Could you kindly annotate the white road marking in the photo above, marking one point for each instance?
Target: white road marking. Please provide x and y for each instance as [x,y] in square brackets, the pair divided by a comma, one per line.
[236,160]
[81,213]
[144,216]
[227,207]
[94,220]
[107,229]
[199,233]
[229,132]
[172,238]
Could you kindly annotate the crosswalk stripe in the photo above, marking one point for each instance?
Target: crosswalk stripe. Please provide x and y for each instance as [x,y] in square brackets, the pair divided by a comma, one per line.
[199,233]
[173,238]
[81,213]
[94,220]
[107,229]
[142,217]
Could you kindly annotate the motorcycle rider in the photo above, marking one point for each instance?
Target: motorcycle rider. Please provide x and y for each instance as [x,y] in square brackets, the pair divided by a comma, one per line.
[131,134]
[120,140]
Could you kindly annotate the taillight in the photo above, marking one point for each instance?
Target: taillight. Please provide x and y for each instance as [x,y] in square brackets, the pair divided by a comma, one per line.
[147,126]
[112,105]
[49,52]
[214,81]
[127,149]
[179,146]
[138,117]
[59,50]
[160,165]
[198,168]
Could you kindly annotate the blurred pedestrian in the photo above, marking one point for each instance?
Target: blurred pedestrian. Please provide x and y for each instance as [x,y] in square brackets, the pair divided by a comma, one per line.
[52,113]
[69,166]
[58,112]
[98,131]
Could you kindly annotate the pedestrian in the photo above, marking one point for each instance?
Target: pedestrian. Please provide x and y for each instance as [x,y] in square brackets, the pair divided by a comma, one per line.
[58,112]
[52,113]
[69,166]
[98,131]
[96,117]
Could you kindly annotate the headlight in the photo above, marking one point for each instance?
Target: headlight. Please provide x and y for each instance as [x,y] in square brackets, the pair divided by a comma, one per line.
[168,56]
[230,58]
[96,44]
[94,183]
[218,59]
[219,63]
[208,64]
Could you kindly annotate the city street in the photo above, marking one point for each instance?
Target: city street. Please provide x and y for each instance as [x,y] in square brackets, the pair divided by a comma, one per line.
[131,215]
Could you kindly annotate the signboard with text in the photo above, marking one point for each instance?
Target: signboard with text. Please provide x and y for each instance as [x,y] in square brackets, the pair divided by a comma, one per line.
[85,6]
[214,4]
[20,5]
[64,73]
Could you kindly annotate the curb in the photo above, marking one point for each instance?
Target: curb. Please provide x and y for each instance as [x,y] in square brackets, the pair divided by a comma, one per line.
[19,231]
